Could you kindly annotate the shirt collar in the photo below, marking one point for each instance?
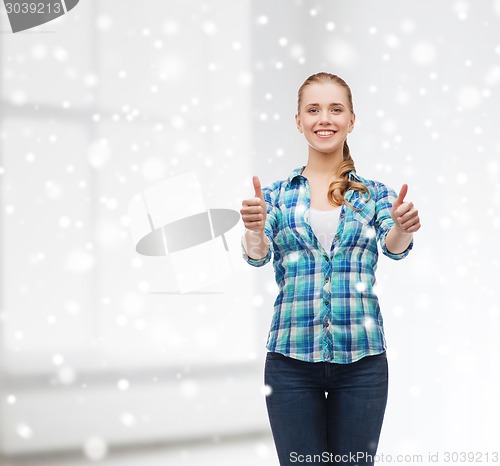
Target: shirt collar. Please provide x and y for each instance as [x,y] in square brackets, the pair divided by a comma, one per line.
[297,172]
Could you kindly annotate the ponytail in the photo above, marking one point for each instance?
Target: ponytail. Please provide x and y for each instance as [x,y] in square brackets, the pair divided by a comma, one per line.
[338,188]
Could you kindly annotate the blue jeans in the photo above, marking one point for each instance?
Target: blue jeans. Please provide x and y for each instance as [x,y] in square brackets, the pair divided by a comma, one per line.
[334,411]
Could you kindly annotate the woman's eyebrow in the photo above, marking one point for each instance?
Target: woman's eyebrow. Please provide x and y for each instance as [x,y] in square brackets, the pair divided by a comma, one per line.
[317,105]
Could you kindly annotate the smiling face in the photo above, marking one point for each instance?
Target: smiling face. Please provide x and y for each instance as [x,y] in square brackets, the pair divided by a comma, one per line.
[325,117]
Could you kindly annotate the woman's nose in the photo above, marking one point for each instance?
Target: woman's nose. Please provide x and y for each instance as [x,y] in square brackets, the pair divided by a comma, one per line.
[325,116]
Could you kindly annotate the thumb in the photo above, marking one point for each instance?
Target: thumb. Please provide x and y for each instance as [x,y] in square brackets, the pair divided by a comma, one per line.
[401,197]
[258,189]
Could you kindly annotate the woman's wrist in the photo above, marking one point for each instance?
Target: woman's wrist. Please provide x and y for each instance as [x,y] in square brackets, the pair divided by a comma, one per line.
[256,243]
[397,240]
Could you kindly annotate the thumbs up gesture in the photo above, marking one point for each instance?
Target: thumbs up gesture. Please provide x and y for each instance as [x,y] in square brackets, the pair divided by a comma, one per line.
[404,214]
[254,210]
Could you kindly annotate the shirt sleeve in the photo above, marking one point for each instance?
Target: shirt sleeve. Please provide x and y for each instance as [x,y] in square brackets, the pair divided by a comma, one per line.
[270,229]
[383,221]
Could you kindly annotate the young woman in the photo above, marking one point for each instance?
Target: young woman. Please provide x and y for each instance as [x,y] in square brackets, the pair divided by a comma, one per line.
[326,365]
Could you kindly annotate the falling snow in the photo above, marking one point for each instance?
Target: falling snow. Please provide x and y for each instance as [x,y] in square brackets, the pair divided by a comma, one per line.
[107,102]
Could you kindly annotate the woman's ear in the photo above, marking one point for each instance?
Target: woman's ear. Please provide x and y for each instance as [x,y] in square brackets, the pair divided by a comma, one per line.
[298,123]
[351,123]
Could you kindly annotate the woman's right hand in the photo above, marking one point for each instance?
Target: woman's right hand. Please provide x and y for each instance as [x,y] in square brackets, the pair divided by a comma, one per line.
[254,210]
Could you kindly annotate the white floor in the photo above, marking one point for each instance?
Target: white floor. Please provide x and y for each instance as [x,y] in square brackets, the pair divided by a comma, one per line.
[256,450]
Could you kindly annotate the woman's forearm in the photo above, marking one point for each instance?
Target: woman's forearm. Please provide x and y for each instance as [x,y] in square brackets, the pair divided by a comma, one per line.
[256,244]
[397,241]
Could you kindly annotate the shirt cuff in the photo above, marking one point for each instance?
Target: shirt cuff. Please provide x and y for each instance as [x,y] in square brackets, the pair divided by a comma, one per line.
[256,262]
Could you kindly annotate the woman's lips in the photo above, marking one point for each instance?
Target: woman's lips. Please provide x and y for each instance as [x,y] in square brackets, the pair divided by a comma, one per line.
[324,133]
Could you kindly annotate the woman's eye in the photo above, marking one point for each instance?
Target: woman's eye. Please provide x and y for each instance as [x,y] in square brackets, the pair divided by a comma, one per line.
[315,110]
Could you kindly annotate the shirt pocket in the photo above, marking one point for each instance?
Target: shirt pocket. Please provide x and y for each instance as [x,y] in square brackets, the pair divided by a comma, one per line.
[292,238]
[366,215]
[359,228]
[294,226]
[283,239]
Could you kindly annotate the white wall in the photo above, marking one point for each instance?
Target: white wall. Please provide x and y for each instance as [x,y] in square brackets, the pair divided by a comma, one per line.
[109,100]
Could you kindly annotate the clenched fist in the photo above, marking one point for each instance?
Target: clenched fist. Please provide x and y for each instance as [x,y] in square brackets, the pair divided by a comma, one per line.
[254,210]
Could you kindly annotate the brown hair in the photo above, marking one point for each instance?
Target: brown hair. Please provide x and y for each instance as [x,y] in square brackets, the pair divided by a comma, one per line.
[338,188]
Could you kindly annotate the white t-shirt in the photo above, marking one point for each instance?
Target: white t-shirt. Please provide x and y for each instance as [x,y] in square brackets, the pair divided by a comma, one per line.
[324,224]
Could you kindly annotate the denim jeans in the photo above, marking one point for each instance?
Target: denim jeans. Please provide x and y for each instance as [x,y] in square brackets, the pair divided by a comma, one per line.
[333,411]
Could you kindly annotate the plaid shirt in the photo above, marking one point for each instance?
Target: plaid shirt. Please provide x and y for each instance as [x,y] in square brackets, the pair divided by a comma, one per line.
[327,307]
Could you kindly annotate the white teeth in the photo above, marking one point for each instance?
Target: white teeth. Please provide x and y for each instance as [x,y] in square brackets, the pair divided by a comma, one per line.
[324,133]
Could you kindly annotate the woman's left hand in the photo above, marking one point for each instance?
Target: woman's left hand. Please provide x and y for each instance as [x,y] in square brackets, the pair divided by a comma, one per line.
[404,214]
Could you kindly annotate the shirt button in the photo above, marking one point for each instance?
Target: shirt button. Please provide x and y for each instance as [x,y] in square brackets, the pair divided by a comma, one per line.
[327,302]
[342,216]
[327,280]
[327,324]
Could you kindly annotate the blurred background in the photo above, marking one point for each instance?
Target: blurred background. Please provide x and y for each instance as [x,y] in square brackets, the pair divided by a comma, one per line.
[103,358]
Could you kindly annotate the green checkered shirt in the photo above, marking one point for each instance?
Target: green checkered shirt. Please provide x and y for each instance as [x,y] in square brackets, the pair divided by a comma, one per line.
[327,307]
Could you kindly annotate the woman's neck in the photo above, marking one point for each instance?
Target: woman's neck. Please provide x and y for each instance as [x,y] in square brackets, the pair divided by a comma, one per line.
[322,166]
